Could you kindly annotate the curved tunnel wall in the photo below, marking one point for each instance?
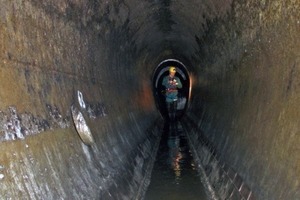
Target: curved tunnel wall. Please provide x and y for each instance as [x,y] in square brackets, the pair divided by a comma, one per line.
[245,58]
[51,51]
[248,94]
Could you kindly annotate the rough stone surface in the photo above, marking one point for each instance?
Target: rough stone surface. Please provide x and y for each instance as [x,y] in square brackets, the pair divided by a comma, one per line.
[50,50]
[248,94]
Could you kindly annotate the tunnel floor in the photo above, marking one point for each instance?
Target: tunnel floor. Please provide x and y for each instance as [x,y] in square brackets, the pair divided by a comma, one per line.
[174,175]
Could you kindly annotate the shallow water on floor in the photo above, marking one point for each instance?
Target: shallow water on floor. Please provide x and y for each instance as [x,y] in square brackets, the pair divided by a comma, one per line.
[174,176]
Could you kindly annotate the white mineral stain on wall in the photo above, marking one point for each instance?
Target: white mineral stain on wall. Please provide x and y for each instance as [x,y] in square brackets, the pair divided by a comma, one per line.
[80,100]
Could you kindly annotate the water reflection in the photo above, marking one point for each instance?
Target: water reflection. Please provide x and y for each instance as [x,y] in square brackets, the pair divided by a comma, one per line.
[174,175]
[175,154]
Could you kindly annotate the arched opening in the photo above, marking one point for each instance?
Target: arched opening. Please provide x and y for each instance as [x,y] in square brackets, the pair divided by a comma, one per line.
[182,73]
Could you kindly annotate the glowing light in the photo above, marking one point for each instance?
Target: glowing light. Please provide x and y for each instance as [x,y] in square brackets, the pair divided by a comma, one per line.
[191,85]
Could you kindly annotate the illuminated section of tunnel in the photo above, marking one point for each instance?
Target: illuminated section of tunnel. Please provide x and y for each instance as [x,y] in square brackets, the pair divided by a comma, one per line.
[184,93]
[242,116]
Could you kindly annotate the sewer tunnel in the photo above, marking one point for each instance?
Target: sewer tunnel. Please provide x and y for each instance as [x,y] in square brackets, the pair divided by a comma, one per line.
[79,116]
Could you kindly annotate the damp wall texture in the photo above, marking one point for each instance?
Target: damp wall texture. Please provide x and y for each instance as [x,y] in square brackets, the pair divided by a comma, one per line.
[61,54]
[97,57]
[247,96]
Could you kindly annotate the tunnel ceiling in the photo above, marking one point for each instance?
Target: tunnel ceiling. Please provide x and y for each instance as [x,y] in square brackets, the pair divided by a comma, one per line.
[178,27]
[154,28]
[173,25]
[152,25]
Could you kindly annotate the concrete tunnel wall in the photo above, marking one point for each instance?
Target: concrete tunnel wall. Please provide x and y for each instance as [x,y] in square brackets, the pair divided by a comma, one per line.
[244,62]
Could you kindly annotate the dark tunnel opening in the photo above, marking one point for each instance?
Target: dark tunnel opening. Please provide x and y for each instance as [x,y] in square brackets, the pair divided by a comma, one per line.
[158,89]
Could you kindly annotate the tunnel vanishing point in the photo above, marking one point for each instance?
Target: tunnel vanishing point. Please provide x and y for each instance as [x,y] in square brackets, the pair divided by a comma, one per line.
[78,117]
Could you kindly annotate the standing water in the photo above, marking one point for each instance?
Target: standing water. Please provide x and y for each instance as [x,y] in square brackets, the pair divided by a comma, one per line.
[174,175]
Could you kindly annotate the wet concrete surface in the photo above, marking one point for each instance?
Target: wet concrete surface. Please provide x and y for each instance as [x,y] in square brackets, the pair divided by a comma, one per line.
[174,175]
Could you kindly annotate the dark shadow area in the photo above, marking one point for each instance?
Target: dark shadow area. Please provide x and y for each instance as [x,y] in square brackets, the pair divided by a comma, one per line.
[163,18]
[160,72]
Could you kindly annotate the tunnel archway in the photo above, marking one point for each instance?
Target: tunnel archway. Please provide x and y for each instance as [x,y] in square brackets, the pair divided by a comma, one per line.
[182,73]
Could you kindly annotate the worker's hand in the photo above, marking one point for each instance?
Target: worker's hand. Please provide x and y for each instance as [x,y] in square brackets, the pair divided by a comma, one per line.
[175,82]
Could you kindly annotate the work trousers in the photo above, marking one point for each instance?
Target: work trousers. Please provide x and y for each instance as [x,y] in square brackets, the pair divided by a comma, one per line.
[172,108]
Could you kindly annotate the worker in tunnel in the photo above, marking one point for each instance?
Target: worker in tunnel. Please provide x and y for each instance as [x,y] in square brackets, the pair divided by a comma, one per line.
[171,84]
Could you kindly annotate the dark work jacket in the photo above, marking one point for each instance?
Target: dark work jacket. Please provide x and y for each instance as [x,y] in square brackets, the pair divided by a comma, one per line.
[171,85]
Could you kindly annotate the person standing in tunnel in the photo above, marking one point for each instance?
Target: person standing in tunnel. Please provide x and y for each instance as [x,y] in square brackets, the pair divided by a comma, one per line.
[171,84]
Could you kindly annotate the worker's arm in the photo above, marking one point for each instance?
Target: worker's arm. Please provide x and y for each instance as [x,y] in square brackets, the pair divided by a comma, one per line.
[165,82]
[178,83]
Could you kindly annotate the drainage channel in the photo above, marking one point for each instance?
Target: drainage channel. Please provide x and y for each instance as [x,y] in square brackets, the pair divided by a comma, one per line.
[174,175]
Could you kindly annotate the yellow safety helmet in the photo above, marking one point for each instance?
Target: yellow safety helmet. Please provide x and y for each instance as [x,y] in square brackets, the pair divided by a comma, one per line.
[172,69]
